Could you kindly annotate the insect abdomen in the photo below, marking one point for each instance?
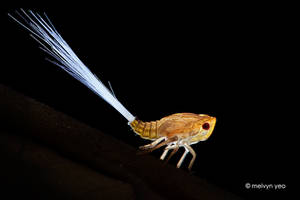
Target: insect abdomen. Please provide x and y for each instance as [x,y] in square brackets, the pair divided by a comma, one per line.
[146,130]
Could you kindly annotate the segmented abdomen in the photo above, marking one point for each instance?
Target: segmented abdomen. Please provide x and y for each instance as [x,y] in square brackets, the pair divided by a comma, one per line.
[146,130]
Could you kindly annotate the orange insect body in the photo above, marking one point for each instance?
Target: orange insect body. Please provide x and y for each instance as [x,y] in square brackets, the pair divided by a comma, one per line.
[178,130]
[183,125]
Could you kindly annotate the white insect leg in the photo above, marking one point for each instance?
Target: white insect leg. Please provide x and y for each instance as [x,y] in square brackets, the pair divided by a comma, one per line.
[157,146]
[164,154]
[153,144]
[162,157]
[191,150]
[175,149]
[182,158]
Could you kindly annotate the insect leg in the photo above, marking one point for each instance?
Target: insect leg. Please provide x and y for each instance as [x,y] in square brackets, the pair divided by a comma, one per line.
[170,146]
[173,139]
[148,146]
[162,157]
[193,154]
[172,153]
[182,158]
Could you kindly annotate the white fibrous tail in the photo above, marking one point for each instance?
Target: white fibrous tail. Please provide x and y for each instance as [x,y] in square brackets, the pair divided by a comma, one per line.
[43,31]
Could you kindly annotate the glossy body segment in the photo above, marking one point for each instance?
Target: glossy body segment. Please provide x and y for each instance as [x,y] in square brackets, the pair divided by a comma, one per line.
[146,130]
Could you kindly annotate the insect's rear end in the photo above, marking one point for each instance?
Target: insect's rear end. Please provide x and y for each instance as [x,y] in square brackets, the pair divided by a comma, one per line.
[146,130]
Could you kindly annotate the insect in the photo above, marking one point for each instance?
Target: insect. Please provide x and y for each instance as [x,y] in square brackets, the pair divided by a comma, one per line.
[174,131]
[177,130]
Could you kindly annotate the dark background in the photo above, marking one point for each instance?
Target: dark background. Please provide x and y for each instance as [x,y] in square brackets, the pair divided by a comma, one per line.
[231,65]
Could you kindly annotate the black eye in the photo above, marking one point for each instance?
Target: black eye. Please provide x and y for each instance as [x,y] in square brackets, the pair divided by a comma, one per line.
[205,126]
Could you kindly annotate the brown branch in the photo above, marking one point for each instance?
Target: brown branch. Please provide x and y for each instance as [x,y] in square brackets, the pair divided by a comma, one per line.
[104,154]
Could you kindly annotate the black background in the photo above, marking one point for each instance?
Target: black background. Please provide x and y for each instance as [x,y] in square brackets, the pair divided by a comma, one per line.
[160,61]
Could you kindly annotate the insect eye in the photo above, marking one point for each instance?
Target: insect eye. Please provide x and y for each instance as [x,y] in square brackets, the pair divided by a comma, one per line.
[205,126]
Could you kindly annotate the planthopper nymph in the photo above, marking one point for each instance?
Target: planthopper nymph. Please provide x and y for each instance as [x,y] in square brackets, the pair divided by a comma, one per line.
[174,131]
[177,130]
